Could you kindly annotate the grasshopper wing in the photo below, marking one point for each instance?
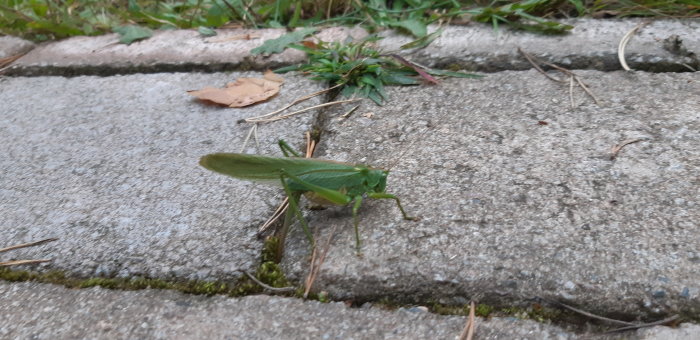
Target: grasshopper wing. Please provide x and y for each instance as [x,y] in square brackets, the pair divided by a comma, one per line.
[265,169]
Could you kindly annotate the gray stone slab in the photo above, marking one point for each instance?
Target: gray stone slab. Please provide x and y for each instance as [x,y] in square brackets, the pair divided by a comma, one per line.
[168,50]
[518,195]
[110,166]
[10,46]
[686,331]
[35,311]
[592,44]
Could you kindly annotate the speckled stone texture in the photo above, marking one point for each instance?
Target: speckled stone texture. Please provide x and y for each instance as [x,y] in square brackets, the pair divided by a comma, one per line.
[10,46]
[38,311]
[167,50]
[518,196]
[661,46]
[110,166]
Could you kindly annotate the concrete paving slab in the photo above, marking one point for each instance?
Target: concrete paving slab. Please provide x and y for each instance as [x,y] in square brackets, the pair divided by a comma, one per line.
[36,311]
[166,51]
[686,331]
[110,167]
[518,195]
[661,46]
[10,46]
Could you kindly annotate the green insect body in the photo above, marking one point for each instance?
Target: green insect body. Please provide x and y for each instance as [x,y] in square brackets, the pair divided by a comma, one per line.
[320,180]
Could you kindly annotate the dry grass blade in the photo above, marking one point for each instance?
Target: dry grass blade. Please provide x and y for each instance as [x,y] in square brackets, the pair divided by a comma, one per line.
[252,132]
[347,114]
[530,59]
[585,88]
[644,325]
[591,315]
[316,262]
[310,148]
[254,120]
[31,244]
[623,43]
[18,262]
[25,245]
[616,149]
[275,216]
[571,91]
[5,62]
[297,101]
[468,331]
[573,76]
[268,287]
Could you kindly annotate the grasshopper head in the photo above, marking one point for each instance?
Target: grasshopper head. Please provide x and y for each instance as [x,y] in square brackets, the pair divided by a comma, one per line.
[376,179]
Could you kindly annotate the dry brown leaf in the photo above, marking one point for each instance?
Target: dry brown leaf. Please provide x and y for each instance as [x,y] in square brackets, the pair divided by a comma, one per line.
[242,92]
[272,76]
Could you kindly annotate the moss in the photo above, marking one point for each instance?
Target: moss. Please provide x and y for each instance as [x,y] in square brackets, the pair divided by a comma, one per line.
[483,310]
[137,283]
[269,253]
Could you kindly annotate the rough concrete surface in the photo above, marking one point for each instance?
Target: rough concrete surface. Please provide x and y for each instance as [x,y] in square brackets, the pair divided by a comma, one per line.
[518,196]
[516,191]
[36,311]
[167,50]
[686,331]
[40,311]
[10,46]
[110,167]
[663,45]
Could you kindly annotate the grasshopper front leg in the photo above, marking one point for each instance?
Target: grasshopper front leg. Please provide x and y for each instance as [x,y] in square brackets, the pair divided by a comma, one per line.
[383,195]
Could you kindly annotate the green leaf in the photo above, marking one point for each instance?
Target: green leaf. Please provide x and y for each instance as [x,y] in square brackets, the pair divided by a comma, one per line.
[399,79]
[348,91]
[374,95]
[278,45]
[131,33]
[287,69]
[414,26]
[423,41]
[206,31]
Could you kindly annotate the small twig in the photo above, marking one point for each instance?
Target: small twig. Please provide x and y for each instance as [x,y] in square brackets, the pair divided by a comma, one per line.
[530,58]
[567,72]
[276,215]
[347,114]
[310,146]
[468,331]
[31,244]
[644,325]
[18,262]
[317,261]
[266,286]
[590,315]
[253,120]
[623,43]
[253,131]
[6,62]
[571,91]
[585,88]
[297,101]
[615,149]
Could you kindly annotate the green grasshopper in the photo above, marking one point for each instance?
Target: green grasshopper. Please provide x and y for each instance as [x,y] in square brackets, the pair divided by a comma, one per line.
[321,181]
